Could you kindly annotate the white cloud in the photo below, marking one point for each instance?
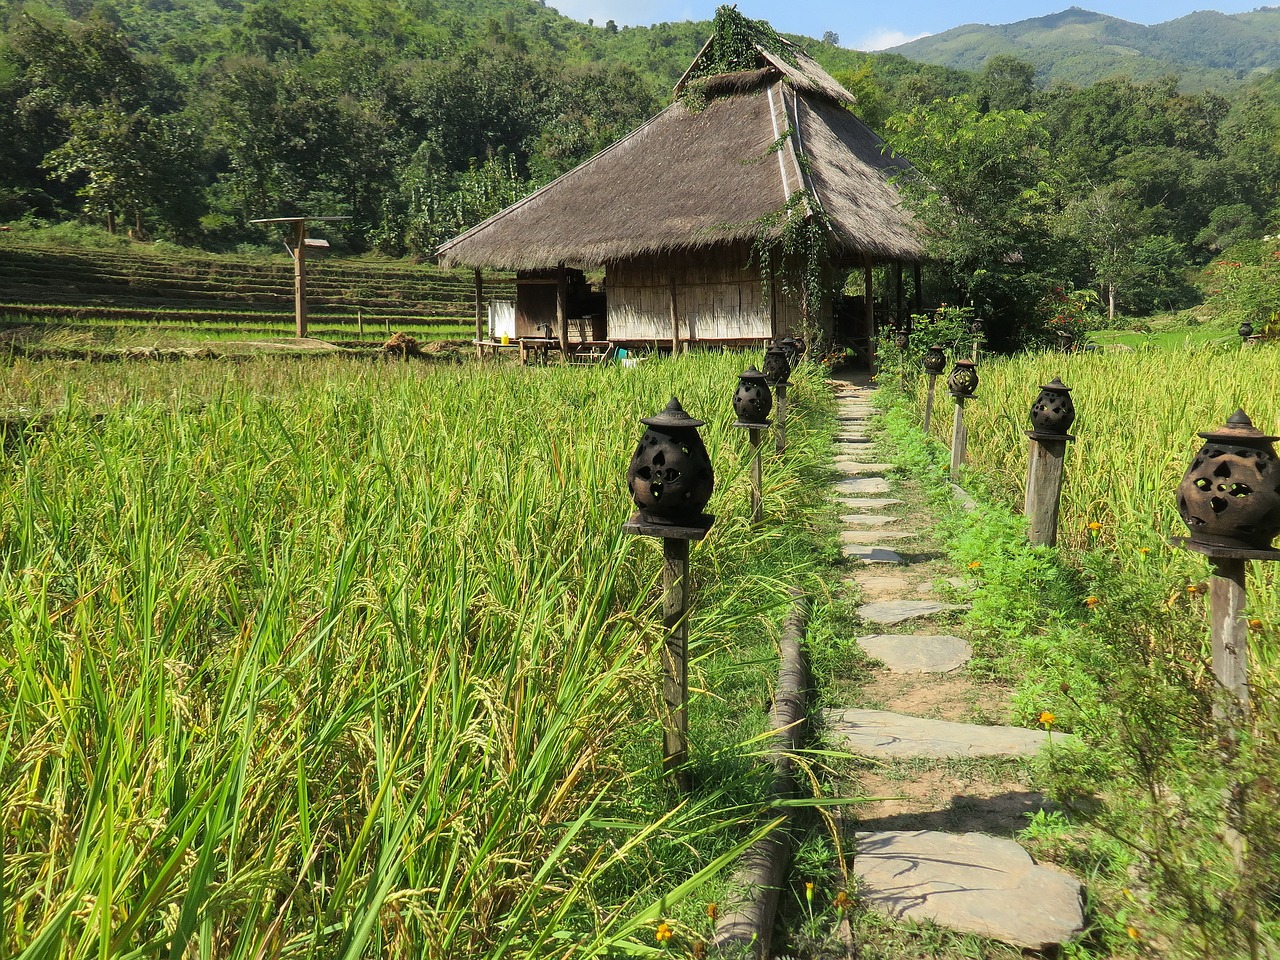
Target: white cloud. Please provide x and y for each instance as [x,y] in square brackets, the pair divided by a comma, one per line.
[883,39]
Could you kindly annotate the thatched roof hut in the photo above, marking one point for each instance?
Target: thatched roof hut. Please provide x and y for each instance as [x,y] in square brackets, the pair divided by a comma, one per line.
[674,210]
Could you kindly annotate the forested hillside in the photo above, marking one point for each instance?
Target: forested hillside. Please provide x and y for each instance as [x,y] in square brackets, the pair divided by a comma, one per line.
[184,119]
[1206,49]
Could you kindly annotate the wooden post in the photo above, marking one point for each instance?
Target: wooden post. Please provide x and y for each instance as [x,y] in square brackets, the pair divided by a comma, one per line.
[675,316]
[479,313]
[675,651]
[959,439]
[675,660]
[300,279]
[780,423]
[1231,668]
[1044,488]
[562,309]
[928,401]
[1230,635]
[757,476]
[360,324]
[918,298]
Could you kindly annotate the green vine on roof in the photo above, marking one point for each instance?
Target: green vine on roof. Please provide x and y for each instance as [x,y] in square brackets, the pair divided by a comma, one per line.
[734,40]
[792,248]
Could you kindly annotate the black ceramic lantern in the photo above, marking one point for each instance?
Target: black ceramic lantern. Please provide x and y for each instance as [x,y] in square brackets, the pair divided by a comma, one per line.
[752,401]
[963,380]
[935,361]
[670,474]
[777,369]
[793,347]
[1245,330]
[1230,496]
[1053,412]
[978,328]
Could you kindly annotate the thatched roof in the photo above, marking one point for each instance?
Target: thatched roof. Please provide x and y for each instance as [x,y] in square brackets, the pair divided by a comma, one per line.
[690,177]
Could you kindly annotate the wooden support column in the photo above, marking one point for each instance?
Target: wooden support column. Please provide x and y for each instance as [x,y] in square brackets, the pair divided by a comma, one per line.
[479,313]
[899,294]
[869,311]
[300,279]
[675,315]
[562,309]
[917,277]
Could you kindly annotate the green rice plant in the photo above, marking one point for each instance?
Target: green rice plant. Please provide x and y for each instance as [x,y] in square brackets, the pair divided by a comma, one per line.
[339,658]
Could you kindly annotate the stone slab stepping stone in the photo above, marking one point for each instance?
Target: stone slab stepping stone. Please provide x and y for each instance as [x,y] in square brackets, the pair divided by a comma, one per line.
[910,653]
[880,734]
[863,485]
[867,503]
[899,611]
[872,537]
[870,554]
[857,468]
[969,882]
[868,520]
[858,454]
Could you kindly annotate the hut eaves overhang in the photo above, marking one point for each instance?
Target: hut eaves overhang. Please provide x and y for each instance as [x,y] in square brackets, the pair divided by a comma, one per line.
[718,166]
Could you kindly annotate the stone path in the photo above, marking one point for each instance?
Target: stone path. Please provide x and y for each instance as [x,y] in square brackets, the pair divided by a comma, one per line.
[965,880]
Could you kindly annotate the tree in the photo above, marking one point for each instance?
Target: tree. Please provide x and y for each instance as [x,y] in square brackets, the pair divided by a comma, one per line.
[1006,83]
[986,198]
[831,38]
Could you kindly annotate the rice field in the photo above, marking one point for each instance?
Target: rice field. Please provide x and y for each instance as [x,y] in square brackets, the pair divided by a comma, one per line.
[349,659]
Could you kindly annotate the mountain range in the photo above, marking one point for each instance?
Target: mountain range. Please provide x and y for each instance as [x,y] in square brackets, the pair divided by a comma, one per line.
[1206,48]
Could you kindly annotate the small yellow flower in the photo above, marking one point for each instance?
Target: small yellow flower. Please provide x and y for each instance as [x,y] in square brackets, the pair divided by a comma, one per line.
[1091,602]
[1094,526]
[1047,718]
[1133,933]
[808,891]
[1144,550]
[1255,624]
[663,933]
[975,564]
[713,911]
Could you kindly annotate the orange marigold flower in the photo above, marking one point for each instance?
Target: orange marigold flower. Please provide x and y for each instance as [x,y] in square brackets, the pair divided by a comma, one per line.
[1133,933]
[975,564]
[1094,526]
[1091,602]
[1144,550]
[699,950]
[713,911]
[1047,718]
[663,933]
[842,901]
[1255,624]
[808,891]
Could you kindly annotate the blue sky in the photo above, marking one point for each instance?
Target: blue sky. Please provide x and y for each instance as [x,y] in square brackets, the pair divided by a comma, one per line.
[874,26]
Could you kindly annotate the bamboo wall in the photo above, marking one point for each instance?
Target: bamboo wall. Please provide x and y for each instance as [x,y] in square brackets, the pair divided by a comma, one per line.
[718,297]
